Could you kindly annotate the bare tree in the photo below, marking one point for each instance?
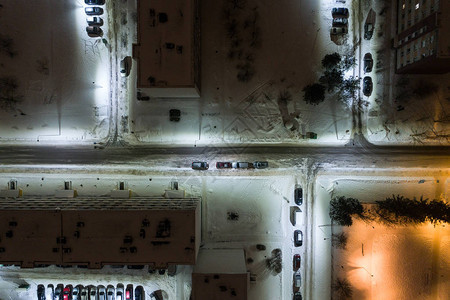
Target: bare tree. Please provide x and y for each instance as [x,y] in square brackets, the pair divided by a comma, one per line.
[343,288]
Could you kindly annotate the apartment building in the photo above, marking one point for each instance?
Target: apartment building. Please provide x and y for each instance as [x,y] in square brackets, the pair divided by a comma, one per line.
[423,40]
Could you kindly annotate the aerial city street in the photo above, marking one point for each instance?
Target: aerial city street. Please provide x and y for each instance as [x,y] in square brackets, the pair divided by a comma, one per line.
[230,149]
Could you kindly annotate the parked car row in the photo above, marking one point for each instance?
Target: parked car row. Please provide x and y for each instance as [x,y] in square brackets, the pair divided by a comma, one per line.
[92,292]
[201,165]
[340,20]
[298,241]
[93,20]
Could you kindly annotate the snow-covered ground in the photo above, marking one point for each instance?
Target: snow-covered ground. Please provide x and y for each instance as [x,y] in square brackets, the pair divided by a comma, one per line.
[381,262]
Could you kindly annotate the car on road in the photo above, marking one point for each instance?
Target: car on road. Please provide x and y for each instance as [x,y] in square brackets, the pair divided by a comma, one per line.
[338,30]
[41,292]
[94,21]
[339,12]
[298,196]
[125,66]
[298,238]
[261,164]
[367,86]
[368,31]
[139,293]
[223,165]
[93,292]
[200,165]
[94,31]
[129,292]
[297,296]
[93,11]
[49,292]
[94,2]
[242,165]
[119,292]
[110,290]
[368,63]
[340,22]
[297,280]
[297,261]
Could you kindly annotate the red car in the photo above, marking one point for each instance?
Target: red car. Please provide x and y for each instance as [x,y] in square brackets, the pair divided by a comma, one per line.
[296,262]
[67,292]
[223,165]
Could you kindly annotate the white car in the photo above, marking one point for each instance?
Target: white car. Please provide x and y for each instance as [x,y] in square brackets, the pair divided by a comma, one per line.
[297,217]
[119,292]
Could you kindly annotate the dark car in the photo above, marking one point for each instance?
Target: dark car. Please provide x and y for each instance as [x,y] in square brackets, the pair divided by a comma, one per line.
[339,12]
[368,63]
[94,21]
[261,164]
[298,238]
[298,196]
[58,291]
[297,296]
[129,292]
[174,115]
[94,2]
[41,292]
[93,11]
[139,293]
[368,31]
[338,30]
[296,263]
[242,165]
[367,86]
[94,31]
[125,68]
[223,165]
[200,165]
[340,22]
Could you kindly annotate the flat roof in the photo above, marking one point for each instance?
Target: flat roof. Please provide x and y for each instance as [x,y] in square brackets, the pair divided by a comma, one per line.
[165,43]
[220,261]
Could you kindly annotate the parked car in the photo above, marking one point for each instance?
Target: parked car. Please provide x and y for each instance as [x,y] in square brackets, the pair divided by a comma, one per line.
[242,165]
[110,291]
[119,292]
[298,196]
[139,293]
[125,66]
[58,291]
[41,292]
[297,261]
[172,270]
[368,63]
[297,217]
[76,293]
[94,31]
[297,280]
[93,292]
[129,292]
[49,292]
[339,12]
[340,22]
[93,11]
[94,2]
[261,164]
[200,165]
[298,238]
[67,292]
[223,165]
[297,296]
[367,86]
[101,292]
[84,293]
[94,21]
[338,30]
[368,31]
[174,115]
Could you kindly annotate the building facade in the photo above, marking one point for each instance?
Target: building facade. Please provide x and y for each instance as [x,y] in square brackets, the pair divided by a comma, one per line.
[423,40]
